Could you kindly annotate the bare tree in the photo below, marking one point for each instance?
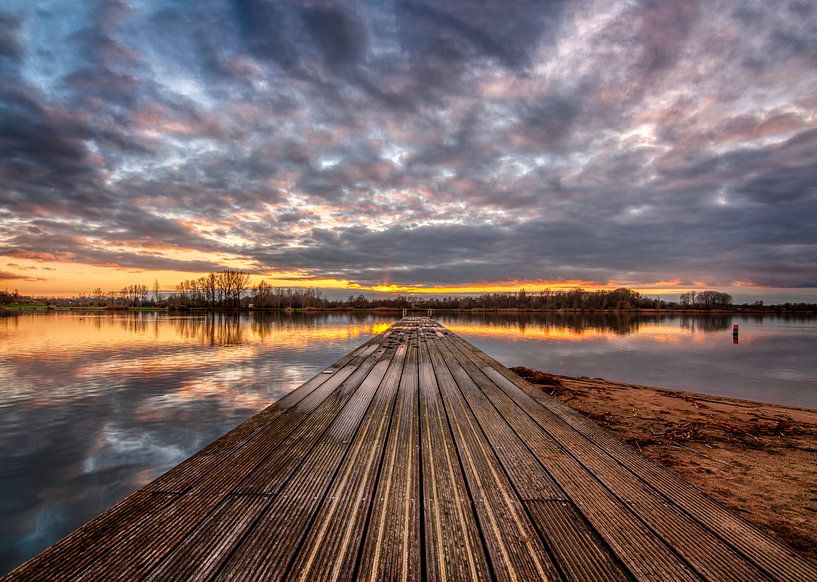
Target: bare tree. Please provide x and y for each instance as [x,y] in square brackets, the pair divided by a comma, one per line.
[210,285]
[232,284]
[141,293]
[223,283]
[241,284]
[263,294]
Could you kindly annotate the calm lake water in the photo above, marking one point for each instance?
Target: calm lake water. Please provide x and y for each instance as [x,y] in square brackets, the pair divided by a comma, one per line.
[93,406]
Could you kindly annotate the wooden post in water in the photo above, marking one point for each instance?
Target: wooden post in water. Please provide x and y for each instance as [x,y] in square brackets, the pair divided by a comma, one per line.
[735,328]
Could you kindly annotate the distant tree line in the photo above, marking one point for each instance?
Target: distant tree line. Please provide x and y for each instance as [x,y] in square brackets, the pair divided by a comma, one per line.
[128,296]
[213,290]
[707,299]
[546,300]
[231,289]
[264,296]
[8,297]
[579,299]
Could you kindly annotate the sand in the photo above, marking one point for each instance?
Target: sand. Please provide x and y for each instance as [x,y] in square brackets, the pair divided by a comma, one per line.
[757,459]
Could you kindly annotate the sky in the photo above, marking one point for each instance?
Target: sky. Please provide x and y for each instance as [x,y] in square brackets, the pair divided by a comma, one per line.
[427,146]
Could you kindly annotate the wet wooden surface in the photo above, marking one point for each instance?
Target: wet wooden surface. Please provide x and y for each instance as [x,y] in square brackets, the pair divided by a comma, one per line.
[417,456]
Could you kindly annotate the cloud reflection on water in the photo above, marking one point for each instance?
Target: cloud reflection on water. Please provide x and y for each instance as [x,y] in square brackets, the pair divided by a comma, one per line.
[93,406]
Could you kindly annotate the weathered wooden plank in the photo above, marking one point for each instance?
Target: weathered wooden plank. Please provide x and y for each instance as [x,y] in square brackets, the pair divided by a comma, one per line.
[417,456]
[521,466]
[138,547]
[704,551]
[344,408]
[341,413]
[776,559]
[513,544]
[182,476]
[453,547]
[754,546]
[269,548]
[138,507]
[577,549]
[99,532]
[392,548]
[202,552]
[330,549]
[635,545]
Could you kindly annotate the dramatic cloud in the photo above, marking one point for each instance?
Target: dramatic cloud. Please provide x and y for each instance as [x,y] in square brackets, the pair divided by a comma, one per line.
[9,277]
[414,142]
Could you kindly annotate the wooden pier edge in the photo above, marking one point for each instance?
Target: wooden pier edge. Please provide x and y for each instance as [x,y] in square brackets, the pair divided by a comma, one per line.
[417,456]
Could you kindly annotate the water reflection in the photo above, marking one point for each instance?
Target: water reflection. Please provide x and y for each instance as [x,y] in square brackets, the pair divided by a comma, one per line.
[94,405]
[775,359]
[570,324]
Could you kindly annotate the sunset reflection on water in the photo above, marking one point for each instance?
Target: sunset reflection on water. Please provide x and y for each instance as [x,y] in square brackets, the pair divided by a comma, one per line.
[775,360]
[95,405]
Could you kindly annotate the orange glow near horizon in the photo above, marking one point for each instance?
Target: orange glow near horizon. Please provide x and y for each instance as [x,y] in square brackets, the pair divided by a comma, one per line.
[66,279]
[515,286]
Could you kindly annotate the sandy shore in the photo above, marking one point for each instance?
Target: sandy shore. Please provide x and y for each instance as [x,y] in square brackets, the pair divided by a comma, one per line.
[758,459]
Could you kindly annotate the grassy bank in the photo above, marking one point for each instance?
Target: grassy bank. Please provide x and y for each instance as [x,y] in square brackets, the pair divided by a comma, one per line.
[758,459]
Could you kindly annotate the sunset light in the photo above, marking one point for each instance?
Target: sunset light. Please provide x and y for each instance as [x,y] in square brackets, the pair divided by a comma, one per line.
[569,147]
[408,290]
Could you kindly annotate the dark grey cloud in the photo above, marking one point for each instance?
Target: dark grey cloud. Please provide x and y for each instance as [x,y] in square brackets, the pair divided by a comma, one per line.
[339,35]
[11,40]
[663,30]
[415,142]
[507,32]
[10,276]
[268,31]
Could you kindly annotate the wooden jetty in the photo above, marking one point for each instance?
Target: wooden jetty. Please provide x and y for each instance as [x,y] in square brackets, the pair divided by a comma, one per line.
[417,456]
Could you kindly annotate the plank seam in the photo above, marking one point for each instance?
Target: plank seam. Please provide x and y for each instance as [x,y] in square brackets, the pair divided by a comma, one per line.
[623,502]
[488,559]
[491,447]
[420,472]
[376,482]
[615,557]
[763,570]
[310,525]
[249,474]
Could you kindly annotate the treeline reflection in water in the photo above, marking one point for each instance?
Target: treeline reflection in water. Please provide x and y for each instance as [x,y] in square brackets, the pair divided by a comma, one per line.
[234,328]
[94,405]
[619,323]
[772,360]
[214,328]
